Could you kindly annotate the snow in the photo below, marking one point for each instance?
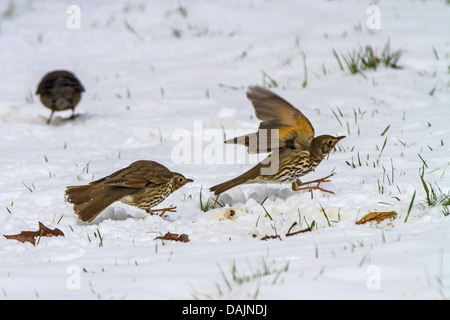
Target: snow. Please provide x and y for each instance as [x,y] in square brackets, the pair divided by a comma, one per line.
[152,71]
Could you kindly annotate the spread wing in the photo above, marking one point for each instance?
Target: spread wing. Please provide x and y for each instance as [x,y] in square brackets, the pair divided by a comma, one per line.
[292,128]
[139,174]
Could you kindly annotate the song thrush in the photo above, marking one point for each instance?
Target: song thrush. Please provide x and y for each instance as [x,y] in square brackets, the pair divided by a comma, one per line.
[289,135]
[60,90]
[143,184]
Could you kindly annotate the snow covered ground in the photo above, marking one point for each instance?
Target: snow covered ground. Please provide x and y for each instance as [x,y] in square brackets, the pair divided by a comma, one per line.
[155,69]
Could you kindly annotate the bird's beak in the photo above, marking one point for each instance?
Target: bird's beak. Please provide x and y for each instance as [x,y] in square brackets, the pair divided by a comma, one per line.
[189,180]
[340,138]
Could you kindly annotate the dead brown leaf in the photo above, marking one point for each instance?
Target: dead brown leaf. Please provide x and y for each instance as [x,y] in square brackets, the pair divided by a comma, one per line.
[377,216]
[174,237]
[30,236]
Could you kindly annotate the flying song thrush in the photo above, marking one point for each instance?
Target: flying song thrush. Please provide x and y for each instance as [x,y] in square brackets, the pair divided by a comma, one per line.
[60,90]
[289,135]
[143,184]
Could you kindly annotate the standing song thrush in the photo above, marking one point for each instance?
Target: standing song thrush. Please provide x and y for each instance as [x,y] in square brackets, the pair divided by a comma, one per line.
[60,90]
[142,184]
[289,135]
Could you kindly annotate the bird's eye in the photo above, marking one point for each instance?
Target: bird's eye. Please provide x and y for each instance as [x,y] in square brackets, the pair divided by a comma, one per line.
[180,180]
[330,142]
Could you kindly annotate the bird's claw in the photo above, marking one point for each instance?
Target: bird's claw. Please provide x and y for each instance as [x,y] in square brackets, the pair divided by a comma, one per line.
[296,186]
[164,210]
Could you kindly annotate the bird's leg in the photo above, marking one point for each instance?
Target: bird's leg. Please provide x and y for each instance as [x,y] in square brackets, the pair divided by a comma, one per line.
[73,114]
[298,183]
[51,116]
[152,212]
[296,188]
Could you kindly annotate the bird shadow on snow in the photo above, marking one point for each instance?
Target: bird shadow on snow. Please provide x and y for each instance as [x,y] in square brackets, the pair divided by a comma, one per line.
[259,194]
[58,121]
[123,213]
[111,213]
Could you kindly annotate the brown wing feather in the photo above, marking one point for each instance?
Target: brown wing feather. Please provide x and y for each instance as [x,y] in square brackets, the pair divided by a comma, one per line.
[139,174]
[276,113]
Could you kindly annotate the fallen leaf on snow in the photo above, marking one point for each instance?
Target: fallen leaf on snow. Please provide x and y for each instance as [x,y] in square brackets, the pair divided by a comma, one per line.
[30,236]
[377,216]
[174,237]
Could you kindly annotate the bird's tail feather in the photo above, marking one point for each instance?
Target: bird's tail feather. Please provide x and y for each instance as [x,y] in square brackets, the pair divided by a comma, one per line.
[243,178]
[89,200]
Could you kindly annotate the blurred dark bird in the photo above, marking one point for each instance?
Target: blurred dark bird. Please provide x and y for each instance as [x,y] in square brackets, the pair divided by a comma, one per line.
[143,184]
[289,135]
[60,90]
